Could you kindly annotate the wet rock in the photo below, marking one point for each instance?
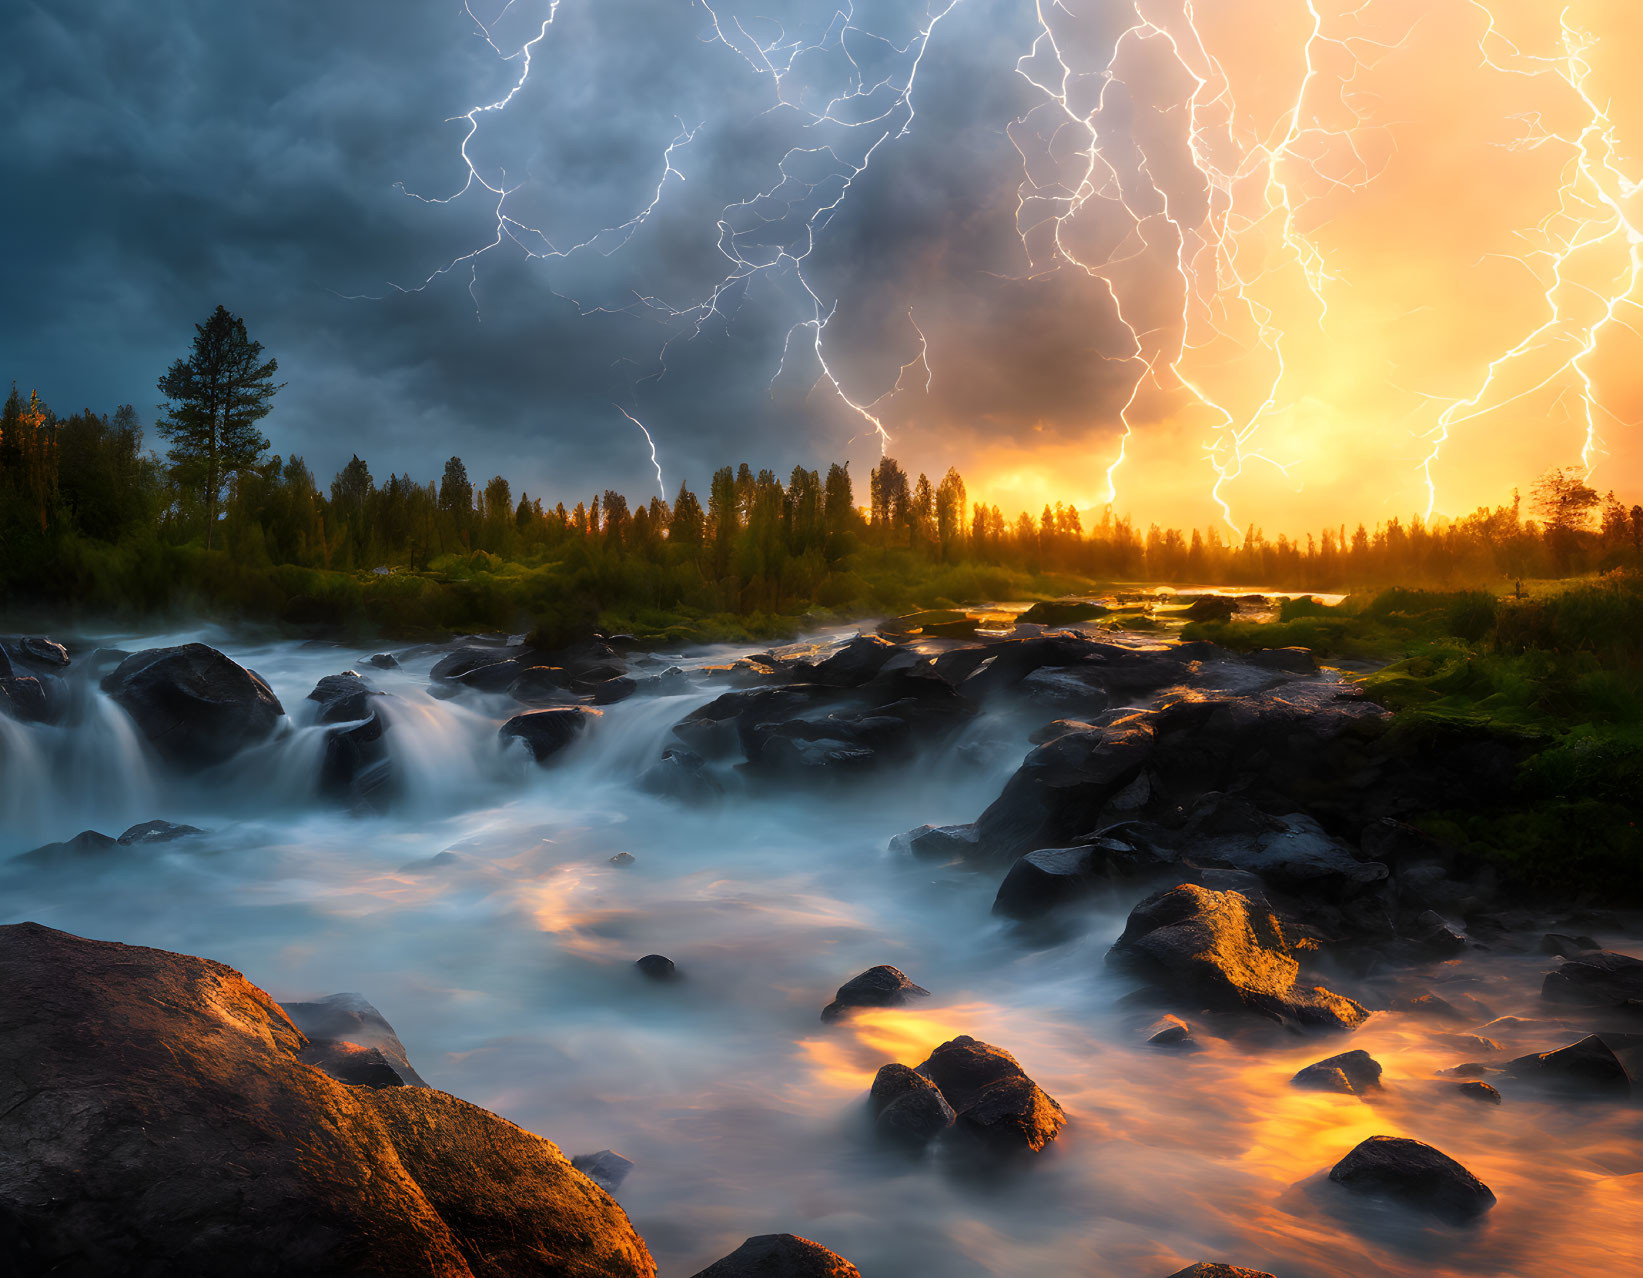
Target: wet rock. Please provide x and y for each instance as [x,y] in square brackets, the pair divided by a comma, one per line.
[610,691]
[1355,1072]
[1210,608]
[1289,660]
[938,842]
[350,1018]
[194,706]
[383,661]
[1061,789]
[540,686]
[903,626]
[1597,979]
[1588,1067]
[87,843]
[907,1108]
[356,765]
[463,661]
[854,663]
[1433,1005]
[1479,1091]
[881,986]
[1467,1069]
[32,654]
[672,682]
[1567,946]
[1211,1269]
[623,858]
[1043,880]
[780,1256]
[992,1096]
[1215,950]
[547,732]
[158,1119]
[1169,1031]
[1415,1175]
[157,832]
[657,967]
[607,1168]
[1432,933]
[680,773]
[25,698]
[1063,612]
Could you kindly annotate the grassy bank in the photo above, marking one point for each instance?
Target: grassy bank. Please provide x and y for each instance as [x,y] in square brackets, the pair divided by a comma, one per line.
[1559,672]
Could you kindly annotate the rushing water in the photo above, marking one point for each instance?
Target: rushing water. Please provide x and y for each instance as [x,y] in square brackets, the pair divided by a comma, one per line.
[482,915]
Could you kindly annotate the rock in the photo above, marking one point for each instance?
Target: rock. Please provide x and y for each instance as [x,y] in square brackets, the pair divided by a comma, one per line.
[24,698]
[356,765]
[992,1096]
[87,843]
[1355,1072]
[610,691]
[1433,1005]
[1466,1069]
[157,832]
[1044,880]
[349,1018]
[1289,660]
[607,1168]
[1567,946]
[1213,949]
[1478,1091]
[944,842]
[1062,612]
[33,654]
[881,986]
[547,732]
[193,705]
[1169,1031]
[1597,979]
[352,1063]
[1588,1066]
[1210,1269]
[855,662]
[657,967]
[1432,933]
[907,1108]
[540,686]
[623,858]
[780,1256]
[343,698]
[1414,1174]
[1210,608]
[383,661]
[463,661]
[157,1119]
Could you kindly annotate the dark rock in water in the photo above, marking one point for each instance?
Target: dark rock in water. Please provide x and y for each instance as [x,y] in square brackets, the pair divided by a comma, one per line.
[780,1256]
[343,698]
[1414,1174]
[1475,1090]
[907,1108]
[1358,1070]
[1214,949]
[352,1063]
[1169,1031]
[1043,880]
[1432,933]
[1060,789]
[992,1096]
[453,665]
[349,1018]
[1466,1069]
[680,773]
[541,686]
[34,654]
[1290,660]
[855,662]
[547,732]
[25,699]
[84,844]
[881,986]
[1598,979]
[938,841]
[901,627]
[607,1168]
[1063,612]
[611,691]
[1210,608]
[1567,946]
[657,966]
[194,706]
[158,1119]
[1211,1269]
[1588,1066]
[356,765]
[383,661]
[623,858]
[1433,1005]
[157,832]
[672,682]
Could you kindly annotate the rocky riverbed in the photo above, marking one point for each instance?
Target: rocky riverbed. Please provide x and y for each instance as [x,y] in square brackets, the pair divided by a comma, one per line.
[945,949]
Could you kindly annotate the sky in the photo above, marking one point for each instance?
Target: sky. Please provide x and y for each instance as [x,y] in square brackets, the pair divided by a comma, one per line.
[989,297]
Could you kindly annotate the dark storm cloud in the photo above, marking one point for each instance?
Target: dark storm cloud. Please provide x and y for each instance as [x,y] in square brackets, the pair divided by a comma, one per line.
[167,155]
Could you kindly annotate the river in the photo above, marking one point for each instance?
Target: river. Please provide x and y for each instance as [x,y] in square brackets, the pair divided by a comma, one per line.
[483,916]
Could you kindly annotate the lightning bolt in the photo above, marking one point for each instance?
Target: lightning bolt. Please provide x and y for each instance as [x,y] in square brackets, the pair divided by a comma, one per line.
[661,484]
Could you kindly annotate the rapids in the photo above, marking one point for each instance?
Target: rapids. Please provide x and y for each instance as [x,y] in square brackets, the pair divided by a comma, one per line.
[484,918]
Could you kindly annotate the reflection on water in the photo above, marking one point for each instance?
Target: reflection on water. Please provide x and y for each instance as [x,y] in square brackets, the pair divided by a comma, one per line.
[484,918]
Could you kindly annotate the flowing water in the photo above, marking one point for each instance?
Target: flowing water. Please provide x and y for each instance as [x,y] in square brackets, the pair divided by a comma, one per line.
[484,918]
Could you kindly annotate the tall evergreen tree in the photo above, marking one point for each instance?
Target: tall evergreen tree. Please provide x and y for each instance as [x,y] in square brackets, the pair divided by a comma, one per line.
[214,400]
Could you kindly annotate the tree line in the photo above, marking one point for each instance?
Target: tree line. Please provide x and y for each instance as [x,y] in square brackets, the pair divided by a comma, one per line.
[69,485]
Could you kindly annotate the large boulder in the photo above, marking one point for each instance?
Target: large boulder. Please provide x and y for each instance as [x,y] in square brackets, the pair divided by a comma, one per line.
[994,1100]
[193,705]
[356,765]
[780,1256]
[855,662]
[1355,1072]
[1062,612]
[32,654]
[157,1119]
[1587,1067]
[547,732]
[1413,1174]
[907,1108]
[881,986]
[1215,949]
[1597,979]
